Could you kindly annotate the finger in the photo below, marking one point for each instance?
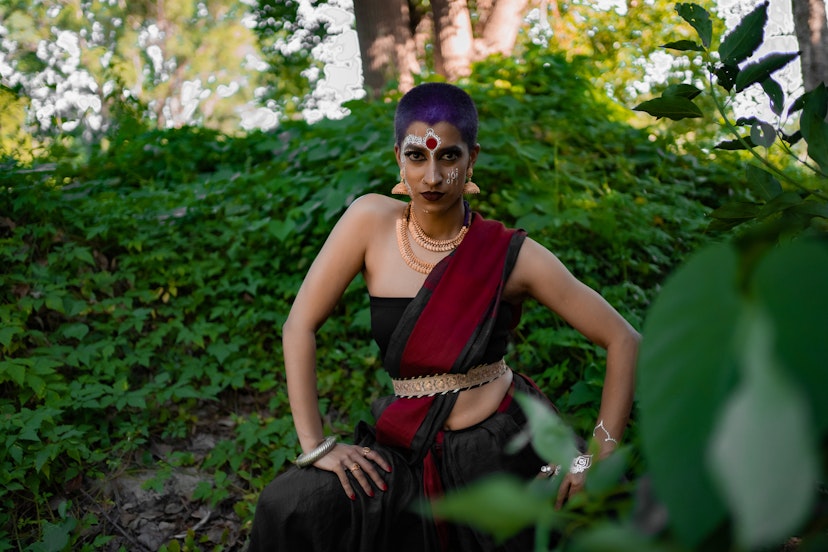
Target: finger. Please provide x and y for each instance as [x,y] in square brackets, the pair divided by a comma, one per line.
[357,472]
[346,483]
[376,457]
[374,476]
[563,494]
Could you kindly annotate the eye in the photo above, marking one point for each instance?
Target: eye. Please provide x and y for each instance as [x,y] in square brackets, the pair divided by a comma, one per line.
[414,155]
[451,156]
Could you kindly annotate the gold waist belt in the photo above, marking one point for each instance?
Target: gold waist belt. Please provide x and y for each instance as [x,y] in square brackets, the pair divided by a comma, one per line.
[427,386]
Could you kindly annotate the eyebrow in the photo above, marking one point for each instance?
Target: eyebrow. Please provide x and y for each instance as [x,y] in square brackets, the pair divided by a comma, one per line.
[448,149]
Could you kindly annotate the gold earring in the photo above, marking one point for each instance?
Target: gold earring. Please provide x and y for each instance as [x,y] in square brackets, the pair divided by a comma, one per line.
[401,188]
[470,187]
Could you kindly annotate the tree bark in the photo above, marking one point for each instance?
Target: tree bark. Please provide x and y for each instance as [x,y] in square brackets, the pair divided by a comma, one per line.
[501,28]
[811,29]
[385,43]
[453,38]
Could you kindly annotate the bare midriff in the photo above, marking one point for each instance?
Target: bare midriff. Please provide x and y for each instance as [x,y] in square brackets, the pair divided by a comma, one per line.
[475,405]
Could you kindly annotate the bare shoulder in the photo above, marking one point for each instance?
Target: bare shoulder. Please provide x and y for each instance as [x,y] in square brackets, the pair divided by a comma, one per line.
[370,212]
[376,205]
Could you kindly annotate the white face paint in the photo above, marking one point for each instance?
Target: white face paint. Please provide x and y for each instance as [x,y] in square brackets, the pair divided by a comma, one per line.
[451,179]
[431,141]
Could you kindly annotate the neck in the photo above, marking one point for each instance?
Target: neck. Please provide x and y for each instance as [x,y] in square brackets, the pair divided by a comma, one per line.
[443,224]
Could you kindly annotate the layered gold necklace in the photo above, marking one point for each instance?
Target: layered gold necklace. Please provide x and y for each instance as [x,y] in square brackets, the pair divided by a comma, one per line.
[409,222]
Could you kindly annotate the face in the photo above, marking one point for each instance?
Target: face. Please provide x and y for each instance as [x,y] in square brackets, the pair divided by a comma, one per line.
[434,160]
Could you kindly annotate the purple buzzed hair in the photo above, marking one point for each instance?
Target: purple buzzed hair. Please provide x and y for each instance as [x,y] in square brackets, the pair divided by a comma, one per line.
[433,102]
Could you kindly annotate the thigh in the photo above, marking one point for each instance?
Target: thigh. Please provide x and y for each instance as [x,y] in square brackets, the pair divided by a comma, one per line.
[307,509]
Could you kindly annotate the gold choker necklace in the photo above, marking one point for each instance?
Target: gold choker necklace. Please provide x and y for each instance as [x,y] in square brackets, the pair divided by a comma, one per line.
[428,243]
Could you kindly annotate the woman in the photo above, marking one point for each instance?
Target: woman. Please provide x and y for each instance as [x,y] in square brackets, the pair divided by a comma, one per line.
[445,287]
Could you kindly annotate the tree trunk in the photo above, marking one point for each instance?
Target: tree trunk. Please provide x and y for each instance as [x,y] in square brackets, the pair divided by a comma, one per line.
[385,44]
[501,28]
[453,39]
[811,29]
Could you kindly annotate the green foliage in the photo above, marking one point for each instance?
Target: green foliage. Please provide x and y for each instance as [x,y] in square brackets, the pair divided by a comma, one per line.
[801,204]
[750,372]
[147,283]
[731,384]
[731,337]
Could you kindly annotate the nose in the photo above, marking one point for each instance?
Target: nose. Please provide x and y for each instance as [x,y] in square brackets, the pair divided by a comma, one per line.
[432,174]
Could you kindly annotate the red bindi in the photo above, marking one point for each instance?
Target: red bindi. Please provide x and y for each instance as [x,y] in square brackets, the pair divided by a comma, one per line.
[431,143]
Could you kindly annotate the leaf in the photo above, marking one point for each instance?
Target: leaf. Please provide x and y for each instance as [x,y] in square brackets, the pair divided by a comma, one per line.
[37,384]
[734,145]
[762,69]
[790,283]
[764,431]
[813,126]
[221,350]
[16,372]
[722,225]
[55,303]
[699,19]
[552,439]
[281,229]
[7,333]
[75,331]
[762,134]
[682,90]
[499,504]
[614,537]
[684,46]
[56,537]
[747,121]
[726,75]
[782,202]
[672,107]
[746,37]
[812,209]
[775,94]
[792,138]
[737,210]
[686,369]
[762,183]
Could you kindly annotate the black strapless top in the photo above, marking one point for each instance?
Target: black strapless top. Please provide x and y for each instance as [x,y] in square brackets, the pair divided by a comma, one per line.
[386,313]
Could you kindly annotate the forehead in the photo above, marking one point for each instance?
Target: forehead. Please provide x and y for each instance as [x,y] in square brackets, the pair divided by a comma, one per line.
[448,133]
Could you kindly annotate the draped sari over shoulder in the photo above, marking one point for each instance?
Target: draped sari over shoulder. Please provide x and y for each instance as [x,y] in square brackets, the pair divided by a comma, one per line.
[445,329]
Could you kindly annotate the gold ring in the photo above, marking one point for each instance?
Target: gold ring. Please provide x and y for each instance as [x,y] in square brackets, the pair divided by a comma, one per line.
[355,467]
[365,451]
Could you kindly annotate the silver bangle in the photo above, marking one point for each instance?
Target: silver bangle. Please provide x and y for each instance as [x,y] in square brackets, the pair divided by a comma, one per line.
[581,463]
[306,459]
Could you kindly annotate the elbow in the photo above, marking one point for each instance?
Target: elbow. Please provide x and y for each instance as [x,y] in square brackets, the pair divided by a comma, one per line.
[294,327]
[634,338]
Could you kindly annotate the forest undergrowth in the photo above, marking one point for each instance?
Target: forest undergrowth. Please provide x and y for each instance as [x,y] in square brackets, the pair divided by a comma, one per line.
[145,278]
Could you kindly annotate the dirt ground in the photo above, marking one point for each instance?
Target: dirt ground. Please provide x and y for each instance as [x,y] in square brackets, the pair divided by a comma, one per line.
[142,514]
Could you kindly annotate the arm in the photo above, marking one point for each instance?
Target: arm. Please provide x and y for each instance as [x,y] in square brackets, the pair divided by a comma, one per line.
[539,274]
[339,261]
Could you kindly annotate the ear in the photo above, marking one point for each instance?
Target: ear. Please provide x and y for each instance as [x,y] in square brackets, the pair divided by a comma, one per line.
[473,155]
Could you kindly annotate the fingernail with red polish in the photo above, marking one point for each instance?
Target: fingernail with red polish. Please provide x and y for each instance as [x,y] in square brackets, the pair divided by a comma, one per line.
[384,487]
[352,497]
[371,494]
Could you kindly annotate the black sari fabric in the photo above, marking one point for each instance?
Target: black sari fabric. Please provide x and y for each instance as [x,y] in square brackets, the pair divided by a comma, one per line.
[307,509]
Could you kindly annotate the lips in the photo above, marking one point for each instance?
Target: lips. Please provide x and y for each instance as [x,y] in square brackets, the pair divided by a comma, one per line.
[432,196]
